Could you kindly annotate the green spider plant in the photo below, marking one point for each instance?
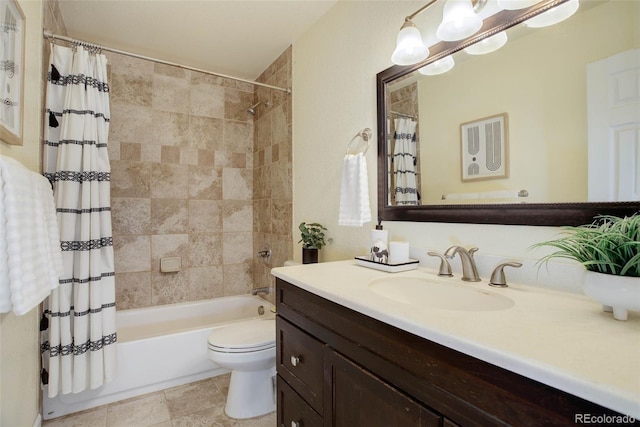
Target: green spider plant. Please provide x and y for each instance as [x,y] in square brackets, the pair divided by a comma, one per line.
[610,245]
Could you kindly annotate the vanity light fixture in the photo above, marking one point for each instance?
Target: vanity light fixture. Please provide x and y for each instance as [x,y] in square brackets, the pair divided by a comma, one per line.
[516,4]
[459,20]
[553,16]
[488,45]
[440,66]
[410,48]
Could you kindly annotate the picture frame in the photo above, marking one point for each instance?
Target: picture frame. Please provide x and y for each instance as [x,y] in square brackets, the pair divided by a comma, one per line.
[12,35]
[484,148]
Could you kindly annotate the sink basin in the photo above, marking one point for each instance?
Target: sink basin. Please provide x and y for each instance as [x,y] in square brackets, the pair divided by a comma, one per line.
[439,293]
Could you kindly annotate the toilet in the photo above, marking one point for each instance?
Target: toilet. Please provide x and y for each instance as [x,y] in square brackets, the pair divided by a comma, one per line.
[248,350]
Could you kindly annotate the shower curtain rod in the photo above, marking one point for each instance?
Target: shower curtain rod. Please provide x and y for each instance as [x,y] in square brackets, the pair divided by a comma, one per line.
[49,35]
[408,116]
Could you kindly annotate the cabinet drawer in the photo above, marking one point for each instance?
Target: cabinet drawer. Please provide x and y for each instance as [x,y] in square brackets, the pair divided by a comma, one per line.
[299,362]
[293,410]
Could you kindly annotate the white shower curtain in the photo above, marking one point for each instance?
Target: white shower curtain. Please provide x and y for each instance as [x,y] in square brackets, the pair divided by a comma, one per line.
[404,162]
[79,345]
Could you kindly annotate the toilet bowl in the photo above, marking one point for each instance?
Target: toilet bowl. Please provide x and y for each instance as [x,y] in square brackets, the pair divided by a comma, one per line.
[248,350]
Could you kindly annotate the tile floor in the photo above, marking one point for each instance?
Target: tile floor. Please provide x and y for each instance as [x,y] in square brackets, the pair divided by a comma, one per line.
[196,404]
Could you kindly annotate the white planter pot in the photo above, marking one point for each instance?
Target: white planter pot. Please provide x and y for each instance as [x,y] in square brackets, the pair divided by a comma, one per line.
[616,293]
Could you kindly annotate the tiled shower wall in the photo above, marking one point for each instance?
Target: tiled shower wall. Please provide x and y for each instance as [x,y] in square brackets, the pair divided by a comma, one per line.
[272,187]
[181,146]
[182,157]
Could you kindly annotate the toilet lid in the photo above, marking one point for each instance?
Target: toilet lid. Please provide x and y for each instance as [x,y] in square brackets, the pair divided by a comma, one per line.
[245,336]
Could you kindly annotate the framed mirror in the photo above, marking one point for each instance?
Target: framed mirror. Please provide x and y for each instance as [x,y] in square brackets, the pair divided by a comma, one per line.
[521,135]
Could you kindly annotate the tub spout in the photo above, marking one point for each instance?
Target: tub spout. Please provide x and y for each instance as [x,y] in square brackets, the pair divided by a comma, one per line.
[266,291]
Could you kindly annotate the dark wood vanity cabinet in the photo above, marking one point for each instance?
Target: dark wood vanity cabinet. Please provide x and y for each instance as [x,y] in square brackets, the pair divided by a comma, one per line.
[337,367]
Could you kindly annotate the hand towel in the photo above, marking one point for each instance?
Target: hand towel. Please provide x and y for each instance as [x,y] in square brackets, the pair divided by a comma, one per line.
[354,192]
[30,256]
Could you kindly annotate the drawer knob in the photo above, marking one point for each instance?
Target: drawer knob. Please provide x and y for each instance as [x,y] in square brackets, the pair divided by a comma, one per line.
[295,360]
[296,424]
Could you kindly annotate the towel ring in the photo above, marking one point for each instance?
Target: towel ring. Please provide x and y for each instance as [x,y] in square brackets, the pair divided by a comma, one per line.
[365,135]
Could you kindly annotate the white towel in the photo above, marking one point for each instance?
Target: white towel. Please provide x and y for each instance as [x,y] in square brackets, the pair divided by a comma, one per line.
[354,193]
[30,256]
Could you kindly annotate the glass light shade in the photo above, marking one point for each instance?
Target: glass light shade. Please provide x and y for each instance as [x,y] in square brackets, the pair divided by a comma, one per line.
[516,4]
[440,66]
[410,48]
[488,45]
[459,21]
[554,15]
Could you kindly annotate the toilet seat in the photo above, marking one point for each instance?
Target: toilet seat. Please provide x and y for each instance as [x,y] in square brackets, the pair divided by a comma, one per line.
[244,337]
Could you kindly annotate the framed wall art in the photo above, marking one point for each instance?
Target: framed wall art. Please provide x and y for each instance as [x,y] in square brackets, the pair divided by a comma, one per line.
[483,148]
[11,71]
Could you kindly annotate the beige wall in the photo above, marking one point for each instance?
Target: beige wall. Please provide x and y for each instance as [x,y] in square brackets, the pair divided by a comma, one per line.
[335,64]
[19,336]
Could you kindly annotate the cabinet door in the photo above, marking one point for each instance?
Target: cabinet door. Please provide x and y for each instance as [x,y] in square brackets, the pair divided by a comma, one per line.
[358,398]
[299,362]
[293,410]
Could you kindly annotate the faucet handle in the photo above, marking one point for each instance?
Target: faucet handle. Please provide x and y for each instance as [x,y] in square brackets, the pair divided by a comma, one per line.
[498,278]
[445,267]
[472,251]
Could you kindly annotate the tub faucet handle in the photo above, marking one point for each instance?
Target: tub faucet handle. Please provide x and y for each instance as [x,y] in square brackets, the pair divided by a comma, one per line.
[265,254]
[445,267]
[498,279]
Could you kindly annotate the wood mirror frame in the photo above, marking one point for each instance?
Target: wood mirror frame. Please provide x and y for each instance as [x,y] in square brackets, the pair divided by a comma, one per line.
[542,214]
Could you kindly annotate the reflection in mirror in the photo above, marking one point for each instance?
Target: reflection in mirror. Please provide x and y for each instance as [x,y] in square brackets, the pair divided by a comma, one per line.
[551,116]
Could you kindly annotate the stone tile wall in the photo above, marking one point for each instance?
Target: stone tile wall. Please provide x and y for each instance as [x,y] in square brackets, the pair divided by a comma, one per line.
[181,148]
[272,189]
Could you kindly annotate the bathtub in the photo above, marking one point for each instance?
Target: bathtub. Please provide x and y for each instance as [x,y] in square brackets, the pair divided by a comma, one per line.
[161,347]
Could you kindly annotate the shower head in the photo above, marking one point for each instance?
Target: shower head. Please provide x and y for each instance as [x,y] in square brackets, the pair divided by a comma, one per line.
[252,110]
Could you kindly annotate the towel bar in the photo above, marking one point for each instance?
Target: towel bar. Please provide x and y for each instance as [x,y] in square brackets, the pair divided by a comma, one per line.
[365,135]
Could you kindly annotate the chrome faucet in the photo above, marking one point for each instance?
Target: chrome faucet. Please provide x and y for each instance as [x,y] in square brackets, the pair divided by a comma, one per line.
[469,270]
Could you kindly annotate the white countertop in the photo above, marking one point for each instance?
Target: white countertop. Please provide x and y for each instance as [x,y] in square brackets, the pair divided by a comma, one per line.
[560,339]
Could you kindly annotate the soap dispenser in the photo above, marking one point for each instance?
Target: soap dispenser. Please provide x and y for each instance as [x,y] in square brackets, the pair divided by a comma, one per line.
[379,244]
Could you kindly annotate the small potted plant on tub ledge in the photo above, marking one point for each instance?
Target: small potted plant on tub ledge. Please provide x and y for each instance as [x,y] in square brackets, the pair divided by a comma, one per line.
[609,249]
[313,238]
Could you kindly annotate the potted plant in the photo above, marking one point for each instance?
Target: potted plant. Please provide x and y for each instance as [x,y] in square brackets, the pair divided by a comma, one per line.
[313,238]
[609,249]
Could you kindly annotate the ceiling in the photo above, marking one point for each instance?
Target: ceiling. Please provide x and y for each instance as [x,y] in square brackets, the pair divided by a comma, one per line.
[239,38]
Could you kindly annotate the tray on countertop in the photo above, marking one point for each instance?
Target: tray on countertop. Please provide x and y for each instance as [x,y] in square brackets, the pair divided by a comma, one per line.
[364,261]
